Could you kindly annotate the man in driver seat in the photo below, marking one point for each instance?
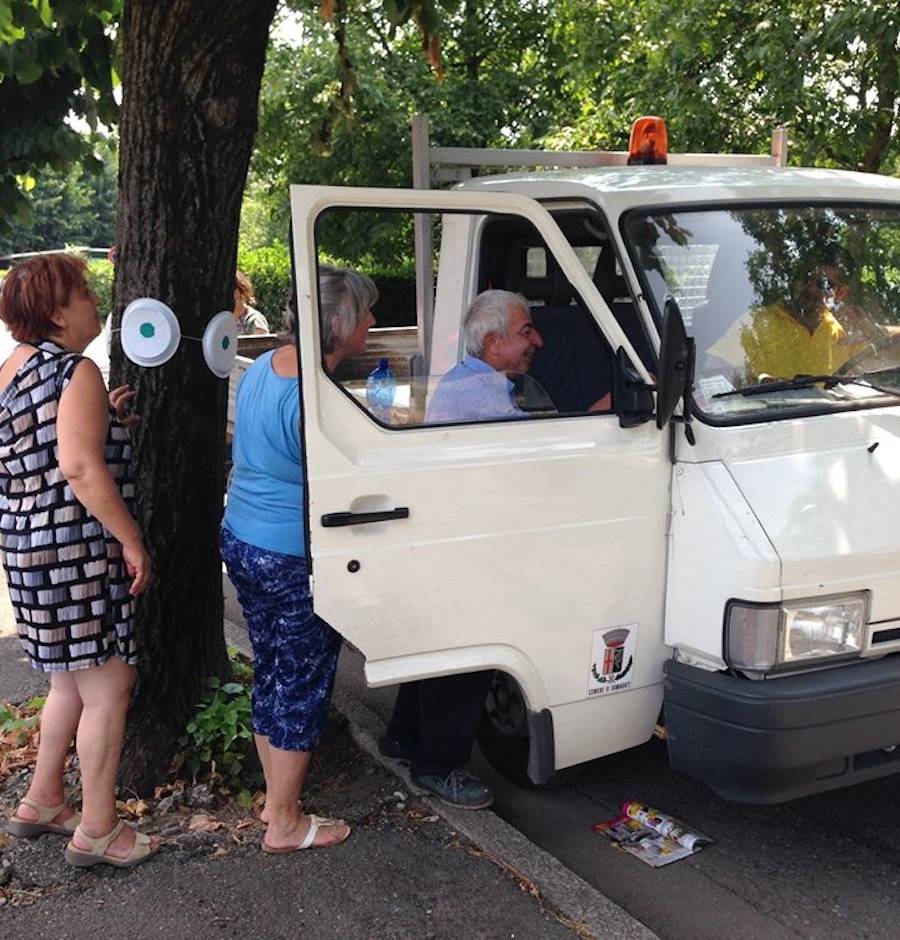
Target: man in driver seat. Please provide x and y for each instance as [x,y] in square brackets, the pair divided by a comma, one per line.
[815,332]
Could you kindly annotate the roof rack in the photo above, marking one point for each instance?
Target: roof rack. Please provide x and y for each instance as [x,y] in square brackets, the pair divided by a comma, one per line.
[455,164]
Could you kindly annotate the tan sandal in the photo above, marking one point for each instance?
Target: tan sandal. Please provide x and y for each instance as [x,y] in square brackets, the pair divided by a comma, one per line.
[28,828]
[98,855]
[315,823]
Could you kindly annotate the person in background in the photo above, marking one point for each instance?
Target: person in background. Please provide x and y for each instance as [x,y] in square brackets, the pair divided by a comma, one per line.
[73,554]
[263,547]
[249,320]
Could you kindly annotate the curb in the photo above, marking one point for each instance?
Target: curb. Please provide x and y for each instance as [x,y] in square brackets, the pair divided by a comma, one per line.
[591,913]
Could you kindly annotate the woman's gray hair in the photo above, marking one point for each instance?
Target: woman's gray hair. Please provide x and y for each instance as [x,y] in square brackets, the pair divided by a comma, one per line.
[488,314]
[345,297]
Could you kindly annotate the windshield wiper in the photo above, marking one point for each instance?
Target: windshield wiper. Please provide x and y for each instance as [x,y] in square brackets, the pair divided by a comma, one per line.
[883,371]
[807,381]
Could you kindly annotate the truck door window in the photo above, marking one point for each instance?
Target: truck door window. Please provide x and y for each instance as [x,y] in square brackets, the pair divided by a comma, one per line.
[553,359]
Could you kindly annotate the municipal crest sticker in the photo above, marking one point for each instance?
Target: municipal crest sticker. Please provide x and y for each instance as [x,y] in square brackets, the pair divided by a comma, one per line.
[612,659]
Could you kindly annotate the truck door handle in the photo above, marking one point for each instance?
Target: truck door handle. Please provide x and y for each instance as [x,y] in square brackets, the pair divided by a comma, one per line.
[332,520]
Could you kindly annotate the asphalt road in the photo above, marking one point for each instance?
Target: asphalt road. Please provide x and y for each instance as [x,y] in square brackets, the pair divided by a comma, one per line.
[821,867]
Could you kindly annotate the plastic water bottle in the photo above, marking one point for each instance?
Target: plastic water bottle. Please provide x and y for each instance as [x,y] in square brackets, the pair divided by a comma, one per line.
[380,389]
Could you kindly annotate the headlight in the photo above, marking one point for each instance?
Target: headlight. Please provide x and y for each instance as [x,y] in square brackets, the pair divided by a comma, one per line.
[762,637]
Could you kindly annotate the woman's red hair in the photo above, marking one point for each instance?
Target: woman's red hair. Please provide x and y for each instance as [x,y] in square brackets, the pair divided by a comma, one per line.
[35,289]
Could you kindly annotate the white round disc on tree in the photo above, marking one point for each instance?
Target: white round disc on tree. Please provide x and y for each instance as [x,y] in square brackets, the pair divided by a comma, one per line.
[220,343]
[150,332]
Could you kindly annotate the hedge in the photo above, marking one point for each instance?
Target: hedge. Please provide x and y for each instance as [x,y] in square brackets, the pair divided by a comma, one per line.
[100,273]
[269,269]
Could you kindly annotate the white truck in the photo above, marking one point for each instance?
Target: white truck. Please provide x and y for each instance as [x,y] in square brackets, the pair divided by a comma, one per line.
[720,552]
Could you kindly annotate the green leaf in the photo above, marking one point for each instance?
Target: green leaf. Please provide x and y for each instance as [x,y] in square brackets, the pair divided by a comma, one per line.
[9,31]
[46,12]
[28,70]
[232,688]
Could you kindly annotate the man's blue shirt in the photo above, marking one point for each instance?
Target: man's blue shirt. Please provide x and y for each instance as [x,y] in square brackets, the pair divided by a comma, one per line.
[472,391]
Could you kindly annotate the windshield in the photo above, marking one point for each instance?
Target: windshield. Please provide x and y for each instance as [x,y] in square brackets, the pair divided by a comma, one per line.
[773,293]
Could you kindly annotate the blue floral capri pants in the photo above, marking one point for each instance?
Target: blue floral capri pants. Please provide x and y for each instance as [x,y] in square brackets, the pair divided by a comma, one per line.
[295,651]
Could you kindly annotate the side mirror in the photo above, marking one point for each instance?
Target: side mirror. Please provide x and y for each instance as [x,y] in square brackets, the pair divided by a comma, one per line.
[676,366]
[632,399]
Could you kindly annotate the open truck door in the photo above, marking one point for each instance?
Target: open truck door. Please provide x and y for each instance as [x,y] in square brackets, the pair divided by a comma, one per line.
[535,547]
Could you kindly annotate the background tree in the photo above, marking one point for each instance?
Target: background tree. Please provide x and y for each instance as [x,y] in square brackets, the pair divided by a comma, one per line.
[76,206]
[55,70]
[498,66]
[725,72]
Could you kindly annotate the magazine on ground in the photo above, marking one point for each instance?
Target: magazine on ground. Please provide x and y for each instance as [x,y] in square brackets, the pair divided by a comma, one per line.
[651,836]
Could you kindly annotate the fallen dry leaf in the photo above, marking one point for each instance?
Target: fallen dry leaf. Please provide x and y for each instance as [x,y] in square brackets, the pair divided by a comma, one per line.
[203,823]
[133,809]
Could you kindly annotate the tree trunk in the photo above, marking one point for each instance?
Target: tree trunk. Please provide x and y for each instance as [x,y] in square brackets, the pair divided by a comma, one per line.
[191,78]
[888,88]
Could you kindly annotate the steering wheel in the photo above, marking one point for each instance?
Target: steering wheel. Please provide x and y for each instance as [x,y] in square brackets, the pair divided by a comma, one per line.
[874,356]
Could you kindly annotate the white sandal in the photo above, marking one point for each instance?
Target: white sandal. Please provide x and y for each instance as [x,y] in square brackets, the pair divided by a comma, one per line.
[315,823]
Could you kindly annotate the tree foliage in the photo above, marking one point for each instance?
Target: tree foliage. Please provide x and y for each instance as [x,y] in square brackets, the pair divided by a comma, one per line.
[76,206]
[56,65]
[568,74]
[726,72]
[499,63]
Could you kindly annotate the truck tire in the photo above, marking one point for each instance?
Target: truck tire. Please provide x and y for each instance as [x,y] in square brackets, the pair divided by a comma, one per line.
[503,734]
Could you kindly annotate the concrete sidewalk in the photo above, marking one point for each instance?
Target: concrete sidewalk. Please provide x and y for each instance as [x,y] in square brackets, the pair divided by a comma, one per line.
[412,868]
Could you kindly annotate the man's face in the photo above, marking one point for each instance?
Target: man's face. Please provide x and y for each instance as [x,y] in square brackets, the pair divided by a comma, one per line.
[514,350]
[824,286]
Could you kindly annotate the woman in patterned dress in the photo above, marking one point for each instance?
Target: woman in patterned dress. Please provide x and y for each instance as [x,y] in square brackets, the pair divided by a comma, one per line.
[262,542]
[72,551]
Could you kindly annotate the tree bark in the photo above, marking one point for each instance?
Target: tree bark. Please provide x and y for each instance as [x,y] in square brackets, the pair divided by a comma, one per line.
[191,79]
[888,88]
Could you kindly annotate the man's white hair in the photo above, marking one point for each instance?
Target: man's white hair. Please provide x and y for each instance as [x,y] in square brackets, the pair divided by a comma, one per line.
[489,313]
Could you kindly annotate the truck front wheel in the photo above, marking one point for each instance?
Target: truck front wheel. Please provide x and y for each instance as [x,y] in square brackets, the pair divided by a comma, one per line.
[504,734]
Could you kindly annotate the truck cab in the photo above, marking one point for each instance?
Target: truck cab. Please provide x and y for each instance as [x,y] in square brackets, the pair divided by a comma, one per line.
[716,551]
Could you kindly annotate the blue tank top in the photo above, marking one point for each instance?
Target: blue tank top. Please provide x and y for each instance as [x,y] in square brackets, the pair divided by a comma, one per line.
[265,499]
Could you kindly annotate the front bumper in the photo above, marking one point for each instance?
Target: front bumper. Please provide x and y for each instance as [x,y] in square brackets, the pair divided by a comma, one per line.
[773,740]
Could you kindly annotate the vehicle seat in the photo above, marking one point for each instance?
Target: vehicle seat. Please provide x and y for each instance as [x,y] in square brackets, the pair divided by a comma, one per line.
[574,365]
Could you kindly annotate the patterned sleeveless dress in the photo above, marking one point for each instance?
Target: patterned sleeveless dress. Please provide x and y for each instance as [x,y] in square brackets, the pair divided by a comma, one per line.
[67,580]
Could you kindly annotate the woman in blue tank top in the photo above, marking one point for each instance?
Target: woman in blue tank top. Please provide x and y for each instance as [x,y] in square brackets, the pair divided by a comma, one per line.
[263,546]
